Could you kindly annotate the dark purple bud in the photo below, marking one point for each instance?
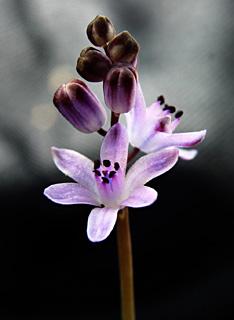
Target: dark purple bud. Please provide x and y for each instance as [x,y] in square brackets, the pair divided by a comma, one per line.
[120,87]
[79,105]
[100,31]
[123,48]
[92,64]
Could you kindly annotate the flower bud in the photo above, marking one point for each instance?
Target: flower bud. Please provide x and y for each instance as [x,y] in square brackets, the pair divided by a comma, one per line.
[92,64]
[100,31]
[123,48]
[120,87]
[79,105]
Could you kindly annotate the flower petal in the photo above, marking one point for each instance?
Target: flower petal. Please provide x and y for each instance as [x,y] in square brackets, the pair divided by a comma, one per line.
[76,166]
[151,128]
[70,193]
[101,222]
[166,140]
[187,154]
[136,117]
[155,110]
[187,139]
[115,146]
[150,166]
[141,197]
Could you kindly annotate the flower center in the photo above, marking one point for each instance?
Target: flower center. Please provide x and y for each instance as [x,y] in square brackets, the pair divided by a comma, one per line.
[106,170]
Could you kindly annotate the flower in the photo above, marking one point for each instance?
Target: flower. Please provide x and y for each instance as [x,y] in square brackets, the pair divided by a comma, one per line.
[120,87]
[92,65]
[123,47]
[100,31]
[80,106]
[104,184]
[151,129]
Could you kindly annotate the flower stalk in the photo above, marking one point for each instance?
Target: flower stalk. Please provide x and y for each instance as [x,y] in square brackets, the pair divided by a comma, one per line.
[106,183]
[114,118]
[132,154]
[125,265]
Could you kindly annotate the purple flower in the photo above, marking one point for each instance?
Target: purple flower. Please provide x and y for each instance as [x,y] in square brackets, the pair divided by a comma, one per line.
[104,184]
[80,106]
[151,129]
[120,87]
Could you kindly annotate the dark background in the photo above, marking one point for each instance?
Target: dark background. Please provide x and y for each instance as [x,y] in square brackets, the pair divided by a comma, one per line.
[183,243]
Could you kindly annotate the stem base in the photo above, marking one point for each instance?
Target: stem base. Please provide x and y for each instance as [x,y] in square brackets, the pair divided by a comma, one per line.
[125,265]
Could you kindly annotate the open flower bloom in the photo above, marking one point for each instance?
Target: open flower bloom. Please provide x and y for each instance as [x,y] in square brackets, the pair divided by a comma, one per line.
[151,129]
[104,184]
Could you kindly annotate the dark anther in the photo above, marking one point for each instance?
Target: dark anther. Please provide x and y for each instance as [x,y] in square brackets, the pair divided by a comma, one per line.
[106,163]
[116,166]
[105,180]
[97,164]
[102,206]
[97,172]
[161,100]
[111,174]
[178,114]
[172,109]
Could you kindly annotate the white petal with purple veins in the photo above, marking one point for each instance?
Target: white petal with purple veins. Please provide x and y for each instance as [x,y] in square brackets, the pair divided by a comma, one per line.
[164,140]
[150,166]
[141,197]
[76,166]
[71,193]
[187,154]
[115,146]
[101,222]
[137,116]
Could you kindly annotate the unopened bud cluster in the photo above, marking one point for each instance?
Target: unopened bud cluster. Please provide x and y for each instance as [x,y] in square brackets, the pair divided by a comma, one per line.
[115,66]
[92,64]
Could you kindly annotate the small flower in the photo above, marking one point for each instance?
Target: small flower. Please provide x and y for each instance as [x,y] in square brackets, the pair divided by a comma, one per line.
[120,87]
[151,129]
[104,184]
[79,105]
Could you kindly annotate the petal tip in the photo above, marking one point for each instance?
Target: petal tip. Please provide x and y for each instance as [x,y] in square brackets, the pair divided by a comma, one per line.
[54,150]
[203,133]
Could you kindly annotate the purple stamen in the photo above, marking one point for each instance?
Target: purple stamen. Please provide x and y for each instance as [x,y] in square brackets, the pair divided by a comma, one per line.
[116,166]
[161,100]
[172,109]
[105,180]
[97,164]
[179,114]
[97,172]
[106,163]
[111,174]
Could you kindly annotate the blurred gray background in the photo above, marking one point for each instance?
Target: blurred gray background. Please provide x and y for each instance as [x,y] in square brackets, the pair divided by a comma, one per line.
[187,55]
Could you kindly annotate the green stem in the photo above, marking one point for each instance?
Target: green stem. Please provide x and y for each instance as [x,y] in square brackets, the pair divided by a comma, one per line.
[125,265]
